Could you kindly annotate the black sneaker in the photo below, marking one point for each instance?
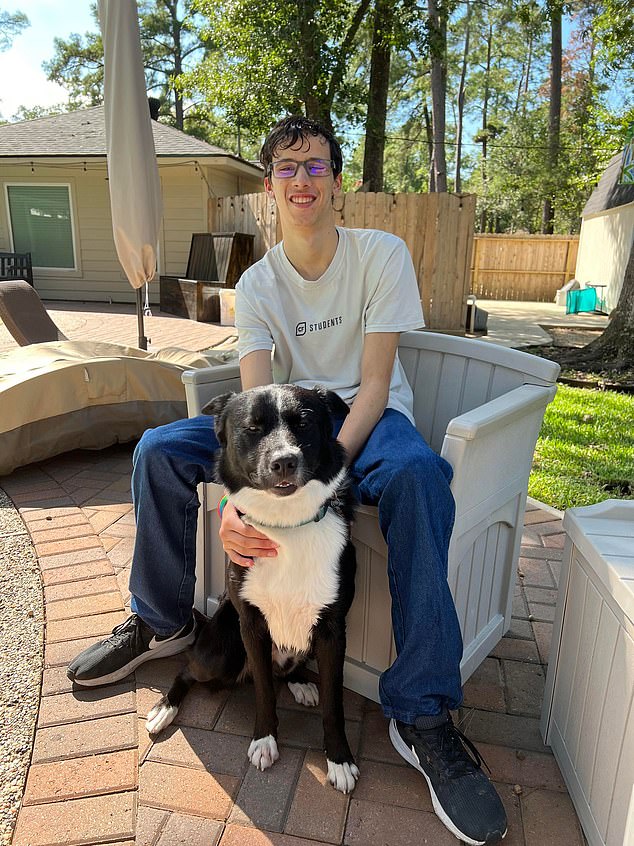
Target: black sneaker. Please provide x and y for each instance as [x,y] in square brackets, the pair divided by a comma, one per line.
[131,643]
[463,797]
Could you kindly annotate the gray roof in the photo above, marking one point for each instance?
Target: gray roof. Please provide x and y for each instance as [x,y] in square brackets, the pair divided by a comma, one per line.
[82,133]
[609,194]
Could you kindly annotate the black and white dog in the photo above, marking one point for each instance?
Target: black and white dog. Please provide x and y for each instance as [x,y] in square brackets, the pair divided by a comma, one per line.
[284,471]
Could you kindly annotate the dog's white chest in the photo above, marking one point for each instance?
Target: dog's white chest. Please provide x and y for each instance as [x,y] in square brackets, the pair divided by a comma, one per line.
[292,589]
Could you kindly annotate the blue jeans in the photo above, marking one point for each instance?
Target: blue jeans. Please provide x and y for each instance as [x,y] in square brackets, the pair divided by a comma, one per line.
[395,471]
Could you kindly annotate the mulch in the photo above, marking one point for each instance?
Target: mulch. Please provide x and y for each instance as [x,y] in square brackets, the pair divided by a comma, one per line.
[566,338]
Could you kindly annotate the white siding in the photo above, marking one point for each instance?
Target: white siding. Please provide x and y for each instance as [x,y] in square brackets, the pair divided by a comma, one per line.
[604,249]
[99,277]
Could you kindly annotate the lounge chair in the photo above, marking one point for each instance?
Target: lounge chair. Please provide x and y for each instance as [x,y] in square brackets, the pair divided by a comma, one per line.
[88,395]
[24,314]
[58,395]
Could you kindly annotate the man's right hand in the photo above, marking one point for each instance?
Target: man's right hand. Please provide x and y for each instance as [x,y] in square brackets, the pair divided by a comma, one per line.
[242,542]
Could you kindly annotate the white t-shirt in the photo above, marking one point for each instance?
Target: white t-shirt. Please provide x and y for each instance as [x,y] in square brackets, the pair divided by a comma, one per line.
[317,328]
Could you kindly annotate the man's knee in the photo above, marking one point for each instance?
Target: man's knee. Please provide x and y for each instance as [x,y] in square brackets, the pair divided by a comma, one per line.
[422,465]
[156,445]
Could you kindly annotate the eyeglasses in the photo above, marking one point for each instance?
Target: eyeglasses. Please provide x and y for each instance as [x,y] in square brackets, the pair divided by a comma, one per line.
[287,168]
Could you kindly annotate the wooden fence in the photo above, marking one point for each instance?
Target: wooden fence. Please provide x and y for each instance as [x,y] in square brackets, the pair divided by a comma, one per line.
[437,228]
[522,267]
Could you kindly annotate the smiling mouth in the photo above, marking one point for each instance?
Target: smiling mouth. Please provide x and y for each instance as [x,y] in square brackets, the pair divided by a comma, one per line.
[302,201]
[284,488]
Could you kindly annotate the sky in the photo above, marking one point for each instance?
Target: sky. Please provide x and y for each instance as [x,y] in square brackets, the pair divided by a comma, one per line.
[22,80]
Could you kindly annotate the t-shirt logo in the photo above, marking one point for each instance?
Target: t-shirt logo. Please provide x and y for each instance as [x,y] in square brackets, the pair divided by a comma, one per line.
[300,329]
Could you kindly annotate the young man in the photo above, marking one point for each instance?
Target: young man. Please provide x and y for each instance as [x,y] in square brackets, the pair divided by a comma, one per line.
[331,303]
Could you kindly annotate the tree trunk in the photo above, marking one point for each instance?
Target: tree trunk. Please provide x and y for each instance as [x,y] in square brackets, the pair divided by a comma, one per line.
[554,117]
[314,104]
[614,348]
[438,50]
[377,97]
[430,147]
[179,113]
[461,98]
[485,128]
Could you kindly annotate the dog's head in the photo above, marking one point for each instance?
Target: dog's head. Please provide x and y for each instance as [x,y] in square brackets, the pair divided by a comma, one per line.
[277,438]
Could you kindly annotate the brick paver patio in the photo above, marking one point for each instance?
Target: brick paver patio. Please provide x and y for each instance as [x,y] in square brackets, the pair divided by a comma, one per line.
[97,777]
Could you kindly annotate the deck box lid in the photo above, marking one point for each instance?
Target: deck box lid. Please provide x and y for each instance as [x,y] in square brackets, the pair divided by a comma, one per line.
[604,535]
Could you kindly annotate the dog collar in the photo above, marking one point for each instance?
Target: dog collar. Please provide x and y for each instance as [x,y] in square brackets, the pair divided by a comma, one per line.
[323,510]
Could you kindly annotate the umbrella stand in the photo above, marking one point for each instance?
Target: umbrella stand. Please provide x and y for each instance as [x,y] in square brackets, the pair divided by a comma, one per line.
[139,317]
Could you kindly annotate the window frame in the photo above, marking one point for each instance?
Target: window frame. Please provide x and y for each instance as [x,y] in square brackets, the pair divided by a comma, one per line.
[73,231]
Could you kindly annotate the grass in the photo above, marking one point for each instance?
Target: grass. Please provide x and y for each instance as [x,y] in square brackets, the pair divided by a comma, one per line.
[585,450]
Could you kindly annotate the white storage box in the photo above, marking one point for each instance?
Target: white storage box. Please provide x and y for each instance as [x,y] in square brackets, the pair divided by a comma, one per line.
[588,710]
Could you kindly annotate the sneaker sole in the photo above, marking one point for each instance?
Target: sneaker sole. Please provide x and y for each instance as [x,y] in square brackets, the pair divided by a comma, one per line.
[171,647]
[406,752]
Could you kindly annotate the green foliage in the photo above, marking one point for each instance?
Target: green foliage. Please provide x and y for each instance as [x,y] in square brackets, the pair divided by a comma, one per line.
[278,56]
[226,71]
[585,450]
[35,112]
[11,24]
[170,42]
[78,66]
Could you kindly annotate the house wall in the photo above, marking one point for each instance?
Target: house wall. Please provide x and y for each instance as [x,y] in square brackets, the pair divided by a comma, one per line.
[605,242]
[98,276]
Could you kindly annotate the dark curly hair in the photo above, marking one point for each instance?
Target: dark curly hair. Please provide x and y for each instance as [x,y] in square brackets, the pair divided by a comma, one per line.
[289,131]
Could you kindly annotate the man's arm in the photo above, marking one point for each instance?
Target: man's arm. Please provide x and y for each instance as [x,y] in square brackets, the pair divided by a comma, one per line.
[377,362]
[256,370]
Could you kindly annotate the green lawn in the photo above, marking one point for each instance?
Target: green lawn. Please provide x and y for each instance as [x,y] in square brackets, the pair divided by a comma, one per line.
[585,450]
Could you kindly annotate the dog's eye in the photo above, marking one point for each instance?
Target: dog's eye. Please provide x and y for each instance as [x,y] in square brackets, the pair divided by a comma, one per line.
[254,428]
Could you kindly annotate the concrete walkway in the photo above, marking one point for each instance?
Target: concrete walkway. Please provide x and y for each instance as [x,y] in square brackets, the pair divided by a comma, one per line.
[96,777]
[519,324]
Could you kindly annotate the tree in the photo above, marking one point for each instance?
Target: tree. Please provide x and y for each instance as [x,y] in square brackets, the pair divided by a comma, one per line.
[614,348]
[11,25]
[437,25]
[277,56]
[461,99]
[169,41]
[377,95]
[554,114]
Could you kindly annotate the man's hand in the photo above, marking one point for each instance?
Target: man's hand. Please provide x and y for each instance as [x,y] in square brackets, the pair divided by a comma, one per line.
[242,542]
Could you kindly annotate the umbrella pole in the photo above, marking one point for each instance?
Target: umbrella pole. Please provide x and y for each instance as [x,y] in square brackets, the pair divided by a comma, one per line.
[139,317]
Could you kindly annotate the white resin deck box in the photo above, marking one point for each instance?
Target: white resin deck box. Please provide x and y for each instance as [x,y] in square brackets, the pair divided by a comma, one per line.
[588,709]
[480,406]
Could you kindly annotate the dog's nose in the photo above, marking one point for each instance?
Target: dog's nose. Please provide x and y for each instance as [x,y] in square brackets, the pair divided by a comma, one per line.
[284,465]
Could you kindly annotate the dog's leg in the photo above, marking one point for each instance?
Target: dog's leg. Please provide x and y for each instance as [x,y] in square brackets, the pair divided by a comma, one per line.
[263,750]
[304,692]
[164,712]
[216,658]
[330,649]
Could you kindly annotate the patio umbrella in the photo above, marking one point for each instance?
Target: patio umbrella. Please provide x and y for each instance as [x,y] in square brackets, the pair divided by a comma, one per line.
[135,189]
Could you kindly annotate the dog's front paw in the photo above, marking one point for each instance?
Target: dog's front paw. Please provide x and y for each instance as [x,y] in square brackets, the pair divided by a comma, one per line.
[305,693]
[263,752]
[161,716]
[343,777]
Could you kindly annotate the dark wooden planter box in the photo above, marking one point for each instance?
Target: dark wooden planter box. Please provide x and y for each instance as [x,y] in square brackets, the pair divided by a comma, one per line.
[191,298]
[216,260]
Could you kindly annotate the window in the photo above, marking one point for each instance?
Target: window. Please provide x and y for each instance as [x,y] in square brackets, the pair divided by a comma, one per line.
[41,224]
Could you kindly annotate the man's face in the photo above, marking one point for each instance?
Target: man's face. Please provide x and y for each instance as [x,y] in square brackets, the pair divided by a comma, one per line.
[304,200]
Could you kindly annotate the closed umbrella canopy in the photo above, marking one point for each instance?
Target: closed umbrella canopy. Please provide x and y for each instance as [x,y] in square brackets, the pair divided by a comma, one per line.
[135,189]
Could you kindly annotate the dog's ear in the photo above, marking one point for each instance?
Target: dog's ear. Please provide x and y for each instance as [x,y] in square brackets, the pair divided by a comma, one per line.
[336,406]
[217,406]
